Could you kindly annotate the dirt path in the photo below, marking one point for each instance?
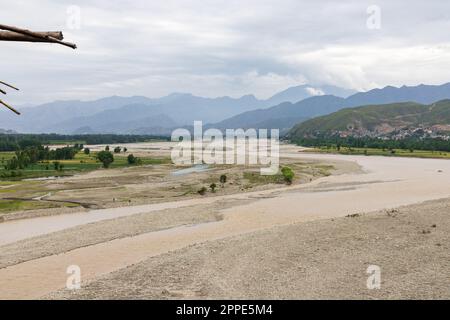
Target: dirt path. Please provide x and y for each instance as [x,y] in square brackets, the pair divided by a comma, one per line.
[389,182]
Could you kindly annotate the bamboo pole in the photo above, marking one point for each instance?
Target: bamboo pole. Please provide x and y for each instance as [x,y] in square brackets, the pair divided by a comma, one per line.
[36,35]
[14,36]
[9,107]
[9,85]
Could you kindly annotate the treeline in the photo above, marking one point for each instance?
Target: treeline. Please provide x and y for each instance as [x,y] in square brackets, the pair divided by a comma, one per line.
[32,154]
[366,142]
[13,142]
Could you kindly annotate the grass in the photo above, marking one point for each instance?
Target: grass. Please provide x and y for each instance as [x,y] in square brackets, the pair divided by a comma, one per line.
[18,205]
[381,152]
[7,205]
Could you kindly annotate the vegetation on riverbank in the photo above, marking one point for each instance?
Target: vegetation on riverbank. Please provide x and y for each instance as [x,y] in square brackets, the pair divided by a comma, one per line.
[81,162]
[381,152]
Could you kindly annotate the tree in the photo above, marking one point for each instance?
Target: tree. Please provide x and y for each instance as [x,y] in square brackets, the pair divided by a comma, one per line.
[87,151]
[213,187]
[106,158]
[107,148]
[125,150]
[288,174]
[117,149]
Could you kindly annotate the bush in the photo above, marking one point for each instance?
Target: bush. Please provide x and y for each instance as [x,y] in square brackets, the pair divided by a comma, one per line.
[131,159]
[87,151]
[213,187]
[288,174]
[117,149]
[223,179]
[202,191]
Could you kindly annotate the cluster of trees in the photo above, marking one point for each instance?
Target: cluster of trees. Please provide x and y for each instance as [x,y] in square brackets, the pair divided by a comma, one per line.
[117,149]
[366,142]
[33,152]
[12,142]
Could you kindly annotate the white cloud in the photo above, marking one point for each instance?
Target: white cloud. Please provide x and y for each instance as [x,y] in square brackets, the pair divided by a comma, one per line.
[315,91]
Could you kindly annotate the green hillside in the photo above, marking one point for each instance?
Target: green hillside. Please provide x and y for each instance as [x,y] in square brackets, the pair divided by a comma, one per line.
[378,120]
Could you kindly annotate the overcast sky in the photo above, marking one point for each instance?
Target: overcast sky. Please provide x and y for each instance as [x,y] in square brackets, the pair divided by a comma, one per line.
[216,48]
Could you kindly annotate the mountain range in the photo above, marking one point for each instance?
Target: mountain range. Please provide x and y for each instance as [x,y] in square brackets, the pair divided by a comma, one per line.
[142,115]
[285,115]
[127,115]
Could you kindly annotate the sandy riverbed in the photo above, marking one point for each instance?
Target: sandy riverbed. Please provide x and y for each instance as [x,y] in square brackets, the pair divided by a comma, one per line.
[385,183]
[324,259]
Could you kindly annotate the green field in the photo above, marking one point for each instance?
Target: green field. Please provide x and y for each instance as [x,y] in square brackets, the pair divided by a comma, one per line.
[81,163]
[381,152]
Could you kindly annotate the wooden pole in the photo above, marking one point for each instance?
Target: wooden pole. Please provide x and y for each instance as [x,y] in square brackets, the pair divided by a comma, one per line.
[8,85]
[14,36]
[9,107]
[17,34]
[44,38]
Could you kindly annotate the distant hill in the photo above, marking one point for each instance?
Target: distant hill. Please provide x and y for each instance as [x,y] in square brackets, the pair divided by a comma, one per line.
[3,131]
[389,120]
[422,94]
[285,115]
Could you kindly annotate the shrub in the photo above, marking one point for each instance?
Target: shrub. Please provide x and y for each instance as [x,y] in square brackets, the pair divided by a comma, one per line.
[202,191]
[288,174]
[213,187]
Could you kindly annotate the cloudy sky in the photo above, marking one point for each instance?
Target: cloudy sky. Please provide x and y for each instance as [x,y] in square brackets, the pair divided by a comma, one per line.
[215,48]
